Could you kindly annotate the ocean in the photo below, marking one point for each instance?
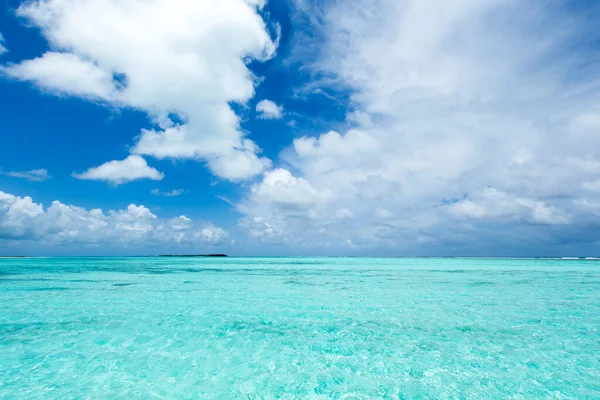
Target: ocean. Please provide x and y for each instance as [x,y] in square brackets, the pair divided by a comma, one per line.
[299,328]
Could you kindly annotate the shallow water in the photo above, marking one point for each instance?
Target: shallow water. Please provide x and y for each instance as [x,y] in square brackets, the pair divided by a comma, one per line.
[265,328]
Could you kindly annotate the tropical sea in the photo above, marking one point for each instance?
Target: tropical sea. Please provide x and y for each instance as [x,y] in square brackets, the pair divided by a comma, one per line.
[299,328]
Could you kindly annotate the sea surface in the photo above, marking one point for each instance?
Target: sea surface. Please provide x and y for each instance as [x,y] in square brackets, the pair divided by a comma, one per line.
[299,328]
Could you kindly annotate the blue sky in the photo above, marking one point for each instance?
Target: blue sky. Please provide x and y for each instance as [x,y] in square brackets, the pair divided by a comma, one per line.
[299,127]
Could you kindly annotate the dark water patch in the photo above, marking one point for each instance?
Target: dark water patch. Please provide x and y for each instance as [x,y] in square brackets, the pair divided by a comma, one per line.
[28,279]
[534,321]
[343,288]
[271,272]
[441,270]
[15,328]
[49,327]
[481,283]
[123,284]
[160,271]
[376,273]
[202,270]
[470,329]
[290,262]
[503,272]
[300,283]
[44,289]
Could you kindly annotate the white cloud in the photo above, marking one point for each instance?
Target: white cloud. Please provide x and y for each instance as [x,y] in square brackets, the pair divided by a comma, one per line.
[446,99]
[267,109]
[191,63]
[62,224]
[213,234]
[281,187]
[17,213]
[258,229]
[172,193]
[34,175]
[117,172]
[66,73]
[3,49]
[239,164]
[334,144]
[464,117]
[493,204]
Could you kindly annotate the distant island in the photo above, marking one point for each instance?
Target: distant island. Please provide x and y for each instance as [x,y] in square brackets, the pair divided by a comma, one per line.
[13,257]
[193,255]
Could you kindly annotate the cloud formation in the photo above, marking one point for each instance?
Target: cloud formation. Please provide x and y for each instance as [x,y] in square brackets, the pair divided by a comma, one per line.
[267,109]
[118,172]
[34,175]
[468,122]
[21,219]
[457,123]
[168,58]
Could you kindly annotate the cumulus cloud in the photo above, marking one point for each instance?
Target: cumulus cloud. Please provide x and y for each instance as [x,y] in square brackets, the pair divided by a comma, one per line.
[3,49]
[65,73]
[213,234]
[493,204]
[258,229]
[34,175]
[117,172]
[267,109]
[59,224]
[182,58]
[457,122]
[281,187]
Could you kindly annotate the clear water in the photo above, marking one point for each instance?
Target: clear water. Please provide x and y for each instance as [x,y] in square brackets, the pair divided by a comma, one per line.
[289,328]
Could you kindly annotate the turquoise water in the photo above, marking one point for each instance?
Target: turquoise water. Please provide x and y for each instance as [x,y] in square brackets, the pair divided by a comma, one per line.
[289,328]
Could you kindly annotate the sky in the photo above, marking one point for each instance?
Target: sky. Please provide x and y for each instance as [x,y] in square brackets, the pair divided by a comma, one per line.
[300,127]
